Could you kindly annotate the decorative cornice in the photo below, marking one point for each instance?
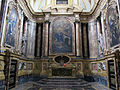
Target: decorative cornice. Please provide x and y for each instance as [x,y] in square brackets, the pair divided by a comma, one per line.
[84,16]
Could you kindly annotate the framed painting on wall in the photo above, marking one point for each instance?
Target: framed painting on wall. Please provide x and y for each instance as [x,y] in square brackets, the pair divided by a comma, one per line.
[11,26]
[62,36]
[113,24]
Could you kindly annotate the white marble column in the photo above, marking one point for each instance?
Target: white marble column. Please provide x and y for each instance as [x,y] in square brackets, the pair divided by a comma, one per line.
[46,35]
[21,30]
[3,22]
[78,36]
[98,35]
[103,31]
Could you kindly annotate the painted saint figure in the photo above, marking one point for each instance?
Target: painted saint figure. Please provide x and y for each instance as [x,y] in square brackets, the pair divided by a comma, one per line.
[11,27]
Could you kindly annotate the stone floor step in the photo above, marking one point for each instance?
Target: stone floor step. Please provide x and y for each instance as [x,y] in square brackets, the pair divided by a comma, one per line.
[39,86]
[64,86]
[61,85]
[63,80]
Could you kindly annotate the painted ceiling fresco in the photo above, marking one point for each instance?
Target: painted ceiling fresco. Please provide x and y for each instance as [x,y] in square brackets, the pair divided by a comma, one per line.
[39,5]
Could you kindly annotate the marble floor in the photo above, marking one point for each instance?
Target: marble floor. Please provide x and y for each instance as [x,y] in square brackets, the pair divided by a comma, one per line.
[61,84]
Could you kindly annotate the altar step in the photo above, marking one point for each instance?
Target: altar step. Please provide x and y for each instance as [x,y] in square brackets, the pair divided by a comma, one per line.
[62,82]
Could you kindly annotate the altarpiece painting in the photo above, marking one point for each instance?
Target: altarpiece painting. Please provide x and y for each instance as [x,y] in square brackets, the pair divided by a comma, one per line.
[62,36]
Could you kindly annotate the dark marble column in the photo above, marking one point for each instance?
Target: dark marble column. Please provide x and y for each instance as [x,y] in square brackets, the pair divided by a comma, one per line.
[38,40]
[85,39]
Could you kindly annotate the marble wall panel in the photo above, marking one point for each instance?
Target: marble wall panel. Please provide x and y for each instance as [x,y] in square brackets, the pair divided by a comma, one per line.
[31,39]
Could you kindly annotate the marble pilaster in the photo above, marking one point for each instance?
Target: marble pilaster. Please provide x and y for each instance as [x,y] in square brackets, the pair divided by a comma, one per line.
[92,39]
[31,39]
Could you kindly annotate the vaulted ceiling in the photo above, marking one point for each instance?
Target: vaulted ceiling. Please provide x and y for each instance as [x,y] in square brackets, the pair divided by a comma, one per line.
[39,5]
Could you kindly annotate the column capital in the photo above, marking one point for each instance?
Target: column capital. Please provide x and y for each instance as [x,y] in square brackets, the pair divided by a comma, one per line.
[102,13]
[47,21]
[77,20]
[47,16]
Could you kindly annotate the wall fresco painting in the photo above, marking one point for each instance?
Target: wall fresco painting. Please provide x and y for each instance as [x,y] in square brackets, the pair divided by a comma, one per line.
[113,23]
[11,27]
[62,36]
